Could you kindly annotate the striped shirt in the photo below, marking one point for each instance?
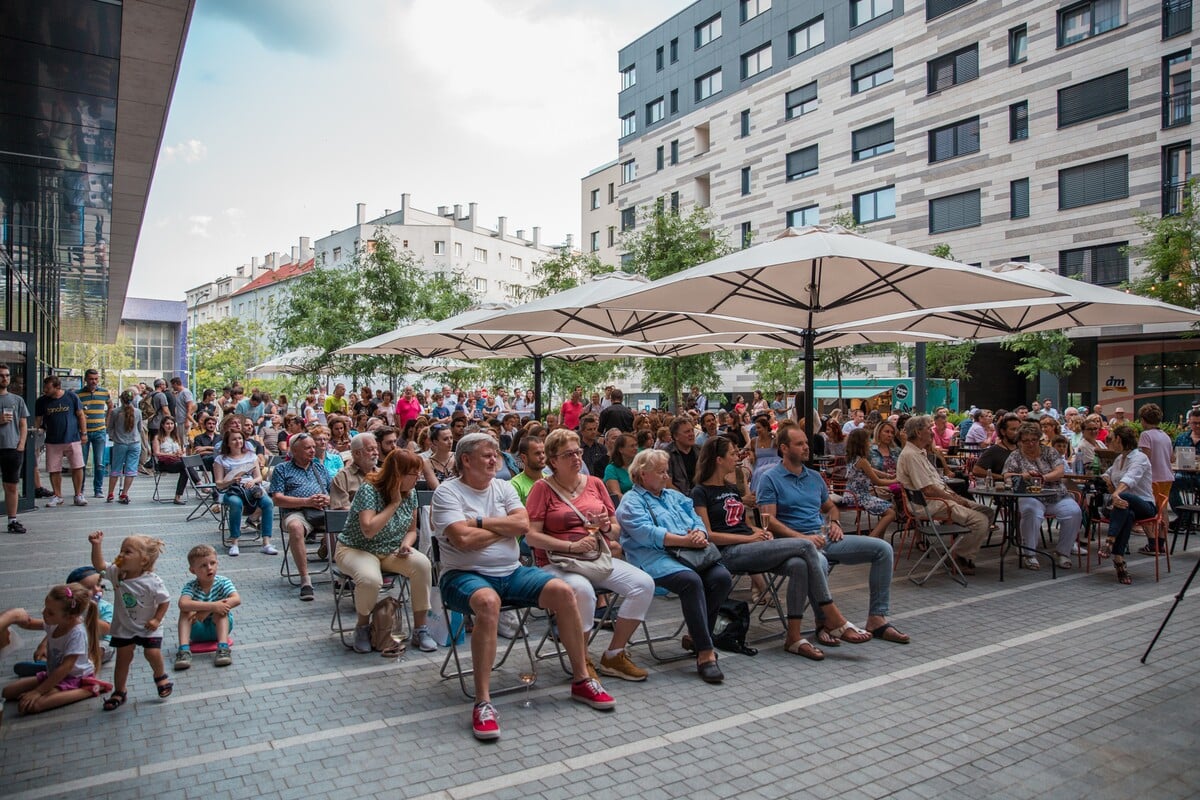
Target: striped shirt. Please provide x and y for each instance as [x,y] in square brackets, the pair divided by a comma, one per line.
[95,407]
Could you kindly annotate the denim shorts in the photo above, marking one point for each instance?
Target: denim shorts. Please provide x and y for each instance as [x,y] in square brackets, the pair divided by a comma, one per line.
[522,587]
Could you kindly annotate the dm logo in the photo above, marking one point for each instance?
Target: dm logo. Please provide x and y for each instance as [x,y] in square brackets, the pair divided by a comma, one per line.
[1114,384]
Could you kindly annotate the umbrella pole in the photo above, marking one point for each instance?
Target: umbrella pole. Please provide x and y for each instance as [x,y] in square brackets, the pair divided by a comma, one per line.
[920,381]
[537,387]
[809,388]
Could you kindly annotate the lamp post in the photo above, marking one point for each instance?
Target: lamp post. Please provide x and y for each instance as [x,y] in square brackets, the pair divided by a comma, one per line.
[200,297]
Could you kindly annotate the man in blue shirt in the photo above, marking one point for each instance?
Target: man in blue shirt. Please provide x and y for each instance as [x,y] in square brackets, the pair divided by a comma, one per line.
[795,498]
[300,489]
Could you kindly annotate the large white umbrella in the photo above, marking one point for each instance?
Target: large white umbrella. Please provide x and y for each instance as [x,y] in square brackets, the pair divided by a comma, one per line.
[294,362]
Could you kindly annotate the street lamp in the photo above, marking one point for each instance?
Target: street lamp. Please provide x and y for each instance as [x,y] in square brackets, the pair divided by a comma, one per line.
[200,297]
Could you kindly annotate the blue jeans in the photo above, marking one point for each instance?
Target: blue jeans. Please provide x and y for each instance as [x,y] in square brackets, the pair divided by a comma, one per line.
[1120,522]
[700,595]
[796,558]
[95,442]
[865,550]
[235,506]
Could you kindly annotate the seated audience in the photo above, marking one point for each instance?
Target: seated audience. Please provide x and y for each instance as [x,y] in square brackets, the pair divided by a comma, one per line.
[861,479]
[238,477]
[300,487]
[1034,461]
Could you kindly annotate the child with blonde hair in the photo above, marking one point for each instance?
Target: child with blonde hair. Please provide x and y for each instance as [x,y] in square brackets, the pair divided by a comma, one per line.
[140,603]
[205,608]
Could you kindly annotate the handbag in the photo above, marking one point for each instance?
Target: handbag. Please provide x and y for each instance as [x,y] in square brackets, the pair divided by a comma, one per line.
[596,566]
[697,559]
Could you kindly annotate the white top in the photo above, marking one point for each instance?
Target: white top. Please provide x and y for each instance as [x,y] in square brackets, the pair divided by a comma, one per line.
[1161,448]
[135,602]
[245,463]
[455,501]
[72,643]
[169,446]
[1132,469]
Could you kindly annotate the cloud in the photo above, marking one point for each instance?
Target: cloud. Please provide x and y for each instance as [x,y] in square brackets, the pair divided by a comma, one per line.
[190,152]
[199,225]
[308,27]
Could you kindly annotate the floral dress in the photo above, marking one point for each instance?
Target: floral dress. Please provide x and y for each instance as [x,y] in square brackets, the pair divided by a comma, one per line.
[859,492]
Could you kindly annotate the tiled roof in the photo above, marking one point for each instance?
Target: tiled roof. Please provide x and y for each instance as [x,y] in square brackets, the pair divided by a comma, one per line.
[284,273]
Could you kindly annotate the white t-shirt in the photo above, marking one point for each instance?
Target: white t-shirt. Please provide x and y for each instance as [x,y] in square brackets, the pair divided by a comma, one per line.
[72,643]
[135,602]
[244,463]
[455,501]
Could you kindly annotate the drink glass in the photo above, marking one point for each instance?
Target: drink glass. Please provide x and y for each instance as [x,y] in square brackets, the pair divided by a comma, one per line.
[399,638]
[527,678]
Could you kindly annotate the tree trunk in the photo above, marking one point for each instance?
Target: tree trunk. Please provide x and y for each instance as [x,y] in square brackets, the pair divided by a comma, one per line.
[841,400]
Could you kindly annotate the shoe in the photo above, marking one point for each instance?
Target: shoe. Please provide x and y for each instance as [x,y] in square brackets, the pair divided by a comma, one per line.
[110,499]
[1153,548]
[1029,562]
[269,550]
[233,551]
[224,656]
[16,527]
[423,641]
[622,666]
[485,722]
[591,692]
[362,633]
[183,660]
[42,493]
[55,501]
[686,643]
[179,501]
[710,672]
[123,499]
[97,494]
[1078,549]
[323,551]
[591,668]
[80,500]
[966,565]
[1063,562]
[306,594]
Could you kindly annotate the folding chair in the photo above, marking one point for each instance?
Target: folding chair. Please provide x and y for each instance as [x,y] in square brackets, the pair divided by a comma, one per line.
[771,612]
[312,550]
[343,584]
[551,635]
[209,498]
[935,532]
[1155,529]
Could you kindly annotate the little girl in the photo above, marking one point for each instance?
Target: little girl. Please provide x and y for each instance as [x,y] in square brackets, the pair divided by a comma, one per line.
[71,622]
[140,602]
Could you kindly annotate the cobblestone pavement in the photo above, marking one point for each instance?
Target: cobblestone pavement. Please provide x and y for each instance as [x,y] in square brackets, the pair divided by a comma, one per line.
[1027,688]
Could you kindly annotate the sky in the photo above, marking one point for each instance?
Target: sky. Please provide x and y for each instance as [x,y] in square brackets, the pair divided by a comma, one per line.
[286,113]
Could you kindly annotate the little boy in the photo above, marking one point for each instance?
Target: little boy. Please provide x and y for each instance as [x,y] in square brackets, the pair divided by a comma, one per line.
[205,608]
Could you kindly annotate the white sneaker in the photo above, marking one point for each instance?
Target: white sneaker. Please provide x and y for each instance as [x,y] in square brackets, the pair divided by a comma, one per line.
[54,502]
[269,550]
[80,500]
[233,551]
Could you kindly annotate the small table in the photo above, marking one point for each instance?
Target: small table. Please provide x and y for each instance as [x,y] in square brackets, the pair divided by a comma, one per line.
[1006,499]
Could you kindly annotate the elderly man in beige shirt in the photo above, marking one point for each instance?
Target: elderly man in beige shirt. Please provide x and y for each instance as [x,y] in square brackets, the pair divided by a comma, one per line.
[364,455]
[914,471]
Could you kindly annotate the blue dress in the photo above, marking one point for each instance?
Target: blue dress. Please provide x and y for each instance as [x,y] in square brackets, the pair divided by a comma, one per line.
[858,492]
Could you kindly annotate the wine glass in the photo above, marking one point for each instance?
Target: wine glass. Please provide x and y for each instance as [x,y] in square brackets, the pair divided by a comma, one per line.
[592,521]
[528,679]
[399,638]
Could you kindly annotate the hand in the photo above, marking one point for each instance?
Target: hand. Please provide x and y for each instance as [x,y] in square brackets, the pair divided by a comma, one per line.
[615,547]
[585,546]
[221,608]
[761,535]
[39,654]
[403,551]
[29,700]
[96,537]
[749,500]
[817,539]
[152,624]
[835,532]
[697,538]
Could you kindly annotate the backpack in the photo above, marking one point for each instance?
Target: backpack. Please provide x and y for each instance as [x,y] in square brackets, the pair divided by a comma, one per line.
[383,621]
[731,626]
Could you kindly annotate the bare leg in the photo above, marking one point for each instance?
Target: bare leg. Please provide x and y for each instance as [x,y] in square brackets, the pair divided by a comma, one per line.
[299,555]
[485,606]
[622,631]
[185,629]
[56,699]
[77,480]
[885,521]
[56,483]
[121,667]
[558,598]
[10,499]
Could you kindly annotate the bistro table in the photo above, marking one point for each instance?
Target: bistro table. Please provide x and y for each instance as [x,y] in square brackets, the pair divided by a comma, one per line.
[1006,500]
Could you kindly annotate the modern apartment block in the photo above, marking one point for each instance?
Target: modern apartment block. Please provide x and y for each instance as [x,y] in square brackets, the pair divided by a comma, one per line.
[600,219]
[1008,129]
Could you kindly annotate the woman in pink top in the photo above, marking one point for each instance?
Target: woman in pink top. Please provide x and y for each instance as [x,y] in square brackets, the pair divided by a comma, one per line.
[1157,446]
[944,431]
[407,407]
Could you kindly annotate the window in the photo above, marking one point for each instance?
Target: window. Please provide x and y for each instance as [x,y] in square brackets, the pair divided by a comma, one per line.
[1176,17]
[1097,182]
[745,122]
[674,50]
[629,124]
[514,263]
[594,241]
[752,8]
[875,205]
[1099,97]
[628,77]
[1177,169]
[954,212]
[1106,264]
[674,101]
[951,141]
[800,101]
[439,247]
[863,11]
[595,199]
[756,61]
[674,152]
[1018,199]
[806,37]
[873,140]
[628,171]
[708,84]
[707,31]
[1088,19]
[612,235]
[660,157]
[747,235]
[655,111]
[1018,44]
[703,140]
[1018,121]
[658,60]
[799,217]
[871,72]
[802,163]
[337,254]
[702,190]
[481,285]
[953,68]
[628,219]
[935,8]
[458,250]
[1177,89]
[745,181]
[674,201]
[481,255]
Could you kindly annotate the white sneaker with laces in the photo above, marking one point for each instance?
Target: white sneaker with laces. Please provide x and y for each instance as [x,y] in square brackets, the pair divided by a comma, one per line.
[54,502]
[233,551]
[269,550]
[80,500]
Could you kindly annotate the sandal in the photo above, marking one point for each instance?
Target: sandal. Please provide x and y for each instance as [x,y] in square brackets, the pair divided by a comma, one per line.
[115,700]
[1105,550]
[1030,562]
[825,640]
[164,686]
[764,599]
[849,632]
[805,648]
[1122,574]
[888,632]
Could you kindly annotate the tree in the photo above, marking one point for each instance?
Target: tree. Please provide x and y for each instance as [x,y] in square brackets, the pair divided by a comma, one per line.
[836,361]
[224,351]
[112,360]
[950,361]
[778,370]
[1046,351]
[1170,255]
[566,269]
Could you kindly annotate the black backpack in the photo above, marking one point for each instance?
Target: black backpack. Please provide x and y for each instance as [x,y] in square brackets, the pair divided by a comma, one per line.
[731,626]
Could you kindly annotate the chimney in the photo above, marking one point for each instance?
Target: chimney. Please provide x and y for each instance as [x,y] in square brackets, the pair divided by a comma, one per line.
[254,267]
[305,249]
[537,236]
[458,211]
[270,261]
[442,210]
[570,241]
[295,254]
[404,201]
[241,271]
[471,212]
[387,212]
[521,234]
[362,213]
[500,226]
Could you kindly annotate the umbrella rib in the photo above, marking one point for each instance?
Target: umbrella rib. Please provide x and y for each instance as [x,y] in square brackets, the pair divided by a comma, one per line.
[742,289]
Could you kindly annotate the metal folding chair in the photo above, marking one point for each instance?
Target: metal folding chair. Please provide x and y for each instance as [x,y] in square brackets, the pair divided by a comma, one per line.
[343,584]
[936,533]
[208,497]
[768,613]
[312,550]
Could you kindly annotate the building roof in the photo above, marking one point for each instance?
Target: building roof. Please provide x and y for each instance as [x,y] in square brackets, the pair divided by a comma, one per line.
[148,309]
[283,273]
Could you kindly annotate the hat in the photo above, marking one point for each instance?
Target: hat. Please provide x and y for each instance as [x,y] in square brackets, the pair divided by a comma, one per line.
[79,573]
[1083,409]
[1118,410]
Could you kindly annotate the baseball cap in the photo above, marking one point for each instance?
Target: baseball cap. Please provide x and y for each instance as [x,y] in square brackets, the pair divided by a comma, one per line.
[79,573]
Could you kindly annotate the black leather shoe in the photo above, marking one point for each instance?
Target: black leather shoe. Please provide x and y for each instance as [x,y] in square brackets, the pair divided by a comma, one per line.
[710,672]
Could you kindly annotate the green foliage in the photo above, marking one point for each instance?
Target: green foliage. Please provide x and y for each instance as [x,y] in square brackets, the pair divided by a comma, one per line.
[778,370]
[845,218]
[1046,351]
[111,359]
[1170,255]
[224,351]
[949,361]
[562,271]
[836,361]
[675,376]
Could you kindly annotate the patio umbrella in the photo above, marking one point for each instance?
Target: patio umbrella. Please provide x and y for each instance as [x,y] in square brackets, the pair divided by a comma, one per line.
[814,278]
[294,362]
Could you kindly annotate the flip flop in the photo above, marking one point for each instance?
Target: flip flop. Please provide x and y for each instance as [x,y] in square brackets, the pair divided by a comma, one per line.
[888,632]
[849,632]
[825,640]
[805,648]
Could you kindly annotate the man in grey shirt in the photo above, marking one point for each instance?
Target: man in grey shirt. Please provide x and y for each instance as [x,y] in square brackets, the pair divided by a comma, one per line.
[14,430]
[185,406]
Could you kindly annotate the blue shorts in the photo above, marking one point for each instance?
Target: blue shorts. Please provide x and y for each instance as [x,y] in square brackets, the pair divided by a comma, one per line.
[206,629]
[522,587]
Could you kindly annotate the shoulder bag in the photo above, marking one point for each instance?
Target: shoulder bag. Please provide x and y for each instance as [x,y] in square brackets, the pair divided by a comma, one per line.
[596,566]
[698,559]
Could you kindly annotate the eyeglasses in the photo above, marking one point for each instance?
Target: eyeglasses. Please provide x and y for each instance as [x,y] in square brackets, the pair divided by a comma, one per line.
[1027,440]
[570,454]
[1091,428]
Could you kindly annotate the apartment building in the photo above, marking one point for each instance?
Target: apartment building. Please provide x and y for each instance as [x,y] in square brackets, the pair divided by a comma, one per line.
[600,218]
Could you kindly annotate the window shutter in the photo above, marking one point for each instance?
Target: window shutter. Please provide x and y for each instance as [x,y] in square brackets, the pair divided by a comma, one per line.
[954,212]
[1097,182]
[966,65]
[802,95]
[869,66]
[873,136]
[1019,202]
[803,161]
[935,8]
[1099,97]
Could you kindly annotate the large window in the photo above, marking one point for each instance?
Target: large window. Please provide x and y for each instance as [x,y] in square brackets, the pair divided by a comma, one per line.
[1018,198]
[1176,170]
[799,217]
[1097,182]
[954,212]
[1085,20]
[1018,44]
[1106,264]
[153,345]
[629,124]
[628,171]
[1099,97]
[628,77]
[752,8]
[756,61]
[655,111]
[628,219]
[871,72]
[873,140]
[951,141]
[862,11]
[1018,121]
[480,255]
[802,163]
[595,199]
[875,205]
[935,8]
[800,101]
[806,37]
[953,68]
[708,84]
[1177,89]
[708,30]
[1176,17]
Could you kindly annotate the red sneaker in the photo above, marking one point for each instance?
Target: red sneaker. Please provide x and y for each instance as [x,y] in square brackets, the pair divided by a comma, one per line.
[485,722]
[591,692]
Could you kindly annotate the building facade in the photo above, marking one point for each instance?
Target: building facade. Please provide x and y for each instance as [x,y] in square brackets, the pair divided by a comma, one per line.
[157,332]
[600,220]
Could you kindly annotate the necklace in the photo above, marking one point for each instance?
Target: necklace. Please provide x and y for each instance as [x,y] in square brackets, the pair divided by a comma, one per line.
[573,491]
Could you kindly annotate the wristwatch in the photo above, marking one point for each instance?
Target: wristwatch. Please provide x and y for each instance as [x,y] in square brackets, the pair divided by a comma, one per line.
[478,522]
